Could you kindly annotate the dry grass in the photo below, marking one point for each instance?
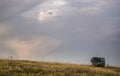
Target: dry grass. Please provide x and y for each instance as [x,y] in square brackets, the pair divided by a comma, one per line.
[32,68]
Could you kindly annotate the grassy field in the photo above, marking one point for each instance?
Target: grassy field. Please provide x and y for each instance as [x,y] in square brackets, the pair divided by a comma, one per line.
[32,68]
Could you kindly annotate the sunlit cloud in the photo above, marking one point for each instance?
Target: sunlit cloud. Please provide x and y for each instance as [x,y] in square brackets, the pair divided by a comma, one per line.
[28,49]
[59,2]
[4,29]
[48,10]
[51,9]
[49,14]
[53,4]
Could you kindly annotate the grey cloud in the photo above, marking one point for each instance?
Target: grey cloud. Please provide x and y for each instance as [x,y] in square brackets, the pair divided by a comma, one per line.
[83,35]
[98,38]
[12,8]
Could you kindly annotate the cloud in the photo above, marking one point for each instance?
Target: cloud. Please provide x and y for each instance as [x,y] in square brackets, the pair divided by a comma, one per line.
[73,29]
[11,8]
[49,14]
[31,49]
[92,7]
[4,28]
[47,10]
[53,4]
[59,2]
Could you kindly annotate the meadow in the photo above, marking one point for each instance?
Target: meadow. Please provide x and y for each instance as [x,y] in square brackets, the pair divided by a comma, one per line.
[35,68]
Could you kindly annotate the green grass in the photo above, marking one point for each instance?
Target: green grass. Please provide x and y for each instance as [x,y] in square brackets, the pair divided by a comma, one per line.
[32,68]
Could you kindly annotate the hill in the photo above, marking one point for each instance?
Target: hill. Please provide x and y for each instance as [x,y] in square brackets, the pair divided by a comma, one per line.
[33,68]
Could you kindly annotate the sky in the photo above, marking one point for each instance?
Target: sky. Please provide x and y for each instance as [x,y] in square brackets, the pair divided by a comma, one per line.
[70,31]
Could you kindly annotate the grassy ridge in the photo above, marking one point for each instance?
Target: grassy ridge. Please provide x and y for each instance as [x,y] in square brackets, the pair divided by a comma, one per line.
[31,68]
